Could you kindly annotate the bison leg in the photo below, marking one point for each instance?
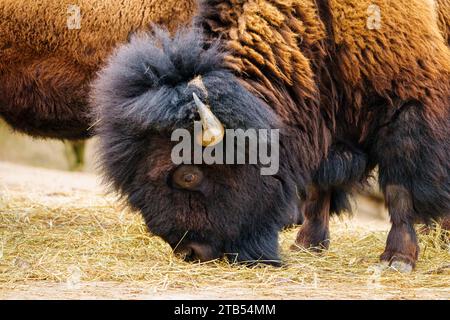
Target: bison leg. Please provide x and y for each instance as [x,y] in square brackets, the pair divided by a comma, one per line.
[414,169]
[314,232]
[401,246]
[75,150]
[344,166]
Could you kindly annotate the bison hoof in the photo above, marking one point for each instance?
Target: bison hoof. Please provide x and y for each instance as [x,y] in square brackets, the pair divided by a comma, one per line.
[399,262]
[402,267]
[313,248]
[312,243]
[396,265]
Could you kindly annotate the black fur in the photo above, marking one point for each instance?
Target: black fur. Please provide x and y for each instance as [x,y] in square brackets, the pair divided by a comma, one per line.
[345,168]
[415,155]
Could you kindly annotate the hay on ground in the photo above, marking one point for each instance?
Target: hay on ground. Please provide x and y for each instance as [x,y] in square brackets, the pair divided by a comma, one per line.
[76,242]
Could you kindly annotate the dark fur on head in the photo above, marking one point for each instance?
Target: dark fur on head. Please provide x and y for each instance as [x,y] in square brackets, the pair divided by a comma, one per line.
[142,95]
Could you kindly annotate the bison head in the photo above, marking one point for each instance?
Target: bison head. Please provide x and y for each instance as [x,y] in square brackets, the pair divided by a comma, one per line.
[157,83]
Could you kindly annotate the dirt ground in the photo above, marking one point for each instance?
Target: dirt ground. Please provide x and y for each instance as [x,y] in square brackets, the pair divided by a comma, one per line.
[138,291]
[41,210]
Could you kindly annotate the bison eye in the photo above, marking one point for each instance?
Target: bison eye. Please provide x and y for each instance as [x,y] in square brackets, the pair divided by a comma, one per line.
[187,177]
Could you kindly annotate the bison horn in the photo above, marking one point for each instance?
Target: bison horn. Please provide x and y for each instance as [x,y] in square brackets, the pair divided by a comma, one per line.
[213,130]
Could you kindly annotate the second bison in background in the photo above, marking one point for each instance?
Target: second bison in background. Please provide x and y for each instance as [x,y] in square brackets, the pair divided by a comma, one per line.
[346,95]
[47,65]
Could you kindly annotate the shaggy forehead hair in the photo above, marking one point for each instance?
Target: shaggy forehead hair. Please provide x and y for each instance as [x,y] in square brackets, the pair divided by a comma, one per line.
[147,85]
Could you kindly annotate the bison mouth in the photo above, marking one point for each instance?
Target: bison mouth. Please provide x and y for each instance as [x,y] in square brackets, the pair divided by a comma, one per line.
[193,252]
[247,252]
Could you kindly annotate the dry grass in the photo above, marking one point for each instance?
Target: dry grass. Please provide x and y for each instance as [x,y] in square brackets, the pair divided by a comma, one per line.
[97,241]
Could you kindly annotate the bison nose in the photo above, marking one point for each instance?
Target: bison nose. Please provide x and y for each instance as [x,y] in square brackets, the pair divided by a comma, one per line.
[195,252]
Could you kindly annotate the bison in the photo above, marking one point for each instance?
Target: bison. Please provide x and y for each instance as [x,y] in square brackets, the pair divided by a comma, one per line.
[47,65]
[349,84]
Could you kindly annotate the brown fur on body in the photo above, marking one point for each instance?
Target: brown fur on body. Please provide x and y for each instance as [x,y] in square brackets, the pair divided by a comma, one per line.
[46,68]
[282,48]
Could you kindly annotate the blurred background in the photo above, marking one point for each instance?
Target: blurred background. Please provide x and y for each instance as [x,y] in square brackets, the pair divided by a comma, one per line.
[51,154]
